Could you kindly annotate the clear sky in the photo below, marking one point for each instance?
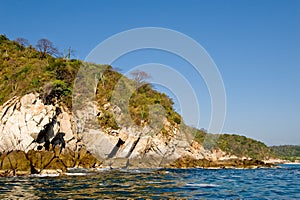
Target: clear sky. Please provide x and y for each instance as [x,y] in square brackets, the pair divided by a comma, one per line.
[254,43]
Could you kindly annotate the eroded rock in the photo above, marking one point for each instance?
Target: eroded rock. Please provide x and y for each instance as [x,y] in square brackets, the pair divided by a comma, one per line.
[189,162]
[15,161]
[40,138]
[26,123]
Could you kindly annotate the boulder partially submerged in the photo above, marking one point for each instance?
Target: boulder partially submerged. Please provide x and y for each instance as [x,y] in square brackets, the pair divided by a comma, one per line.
[39,162]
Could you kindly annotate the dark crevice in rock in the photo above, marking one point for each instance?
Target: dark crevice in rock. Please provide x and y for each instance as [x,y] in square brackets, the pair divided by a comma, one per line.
[73,138]
[58,111]
[116,148]
[46,165]
[59,140]
[46,133]
[7,108]
[133,147]
[32,168]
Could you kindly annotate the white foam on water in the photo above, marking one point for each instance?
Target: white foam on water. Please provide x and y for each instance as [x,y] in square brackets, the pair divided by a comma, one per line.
[72,168]
[45,175]
[154,182]
[76,174]
[102,169]
[202,185]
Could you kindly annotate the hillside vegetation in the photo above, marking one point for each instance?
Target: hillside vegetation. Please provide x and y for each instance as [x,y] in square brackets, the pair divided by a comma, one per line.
[287,152]
[238,145]
[24,69]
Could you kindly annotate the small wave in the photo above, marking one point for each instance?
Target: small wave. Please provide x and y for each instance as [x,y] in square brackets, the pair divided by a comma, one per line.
[136,171]
[45,175]
[102,169]
[154,182]
[77,169]
[76,174]
[202,185]
[73,168]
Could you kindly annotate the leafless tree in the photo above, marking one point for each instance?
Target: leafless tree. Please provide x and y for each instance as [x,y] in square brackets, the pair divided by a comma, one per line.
[45,46]
[68,53]
[22,41]
[139,77]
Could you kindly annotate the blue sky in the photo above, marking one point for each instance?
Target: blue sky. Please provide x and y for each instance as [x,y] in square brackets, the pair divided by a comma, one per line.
[255,45]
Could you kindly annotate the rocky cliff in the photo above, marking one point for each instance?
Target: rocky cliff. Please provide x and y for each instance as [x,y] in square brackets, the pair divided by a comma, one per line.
[75,118]
[36,138]
[28,124]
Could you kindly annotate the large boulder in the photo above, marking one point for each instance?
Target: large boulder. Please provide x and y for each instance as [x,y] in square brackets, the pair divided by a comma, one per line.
[27,123]
[15,161]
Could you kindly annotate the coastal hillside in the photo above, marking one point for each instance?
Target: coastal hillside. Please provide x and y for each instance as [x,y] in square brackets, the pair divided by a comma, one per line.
[32,78]
[234,144]
[23,69]
[287,152]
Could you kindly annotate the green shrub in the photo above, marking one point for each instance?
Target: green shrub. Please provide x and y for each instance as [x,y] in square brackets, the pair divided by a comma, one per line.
[61,88]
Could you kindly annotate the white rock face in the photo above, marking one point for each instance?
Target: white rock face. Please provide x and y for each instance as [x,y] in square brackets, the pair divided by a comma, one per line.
[151,150]
[23,118]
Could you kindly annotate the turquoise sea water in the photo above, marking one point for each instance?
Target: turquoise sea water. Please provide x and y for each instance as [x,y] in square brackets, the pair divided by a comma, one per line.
[279,183]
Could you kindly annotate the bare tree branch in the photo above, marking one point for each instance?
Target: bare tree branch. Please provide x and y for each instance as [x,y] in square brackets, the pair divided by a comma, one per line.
[45,46]
[22,41]
[139,77]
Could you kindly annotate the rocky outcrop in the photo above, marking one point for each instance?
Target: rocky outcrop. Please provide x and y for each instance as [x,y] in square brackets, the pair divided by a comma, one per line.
[189,162]
[36,137]
[27,123]
[39,162]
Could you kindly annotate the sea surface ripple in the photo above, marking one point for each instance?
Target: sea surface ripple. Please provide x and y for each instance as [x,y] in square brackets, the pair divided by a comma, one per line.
[275,183]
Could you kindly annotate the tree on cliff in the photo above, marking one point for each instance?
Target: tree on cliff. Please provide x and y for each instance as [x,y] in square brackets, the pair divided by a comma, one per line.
[45,46]
[22,41]
[139,77]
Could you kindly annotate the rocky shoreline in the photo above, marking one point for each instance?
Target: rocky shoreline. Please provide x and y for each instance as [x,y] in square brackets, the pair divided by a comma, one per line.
[18,163]
[37,138]
[43,162]
[189,162]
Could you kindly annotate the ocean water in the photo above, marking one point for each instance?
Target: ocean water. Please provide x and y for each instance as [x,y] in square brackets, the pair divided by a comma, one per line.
[278,183]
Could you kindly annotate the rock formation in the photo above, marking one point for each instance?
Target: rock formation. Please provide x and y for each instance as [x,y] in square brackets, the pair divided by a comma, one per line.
[36,137]
[27,123]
